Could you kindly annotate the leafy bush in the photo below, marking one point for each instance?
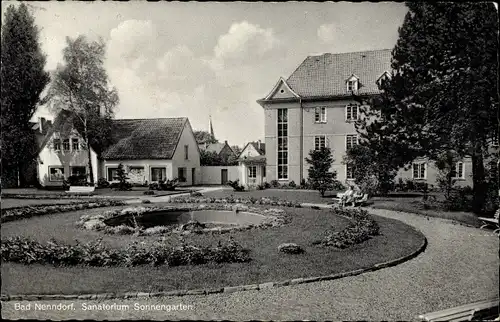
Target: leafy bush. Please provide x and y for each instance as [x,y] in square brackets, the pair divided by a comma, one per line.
[102,183]
[260,187]
[361,229]
[292,184]
[290,248]
[78,180]
[162,185]
[236,185]
[275,184]
[149,192]
[195,194]
[146,201]
[26,251]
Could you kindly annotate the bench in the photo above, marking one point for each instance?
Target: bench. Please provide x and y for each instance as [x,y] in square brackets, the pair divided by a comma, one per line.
[490,222]
[483,310]
[81,189]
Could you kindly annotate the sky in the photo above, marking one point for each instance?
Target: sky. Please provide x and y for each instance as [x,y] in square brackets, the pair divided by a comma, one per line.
[197,59]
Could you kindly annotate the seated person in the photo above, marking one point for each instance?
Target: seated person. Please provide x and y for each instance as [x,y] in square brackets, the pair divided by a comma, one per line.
[348,196]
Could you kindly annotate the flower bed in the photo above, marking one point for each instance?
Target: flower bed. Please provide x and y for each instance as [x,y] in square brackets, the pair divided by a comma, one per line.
[361,229]
[31,211]
[47,196]
[25,251]
[231,199]
[273,218]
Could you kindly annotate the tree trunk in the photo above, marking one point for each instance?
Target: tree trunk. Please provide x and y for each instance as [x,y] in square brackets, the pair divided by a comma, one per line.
[91,171]
[478,179]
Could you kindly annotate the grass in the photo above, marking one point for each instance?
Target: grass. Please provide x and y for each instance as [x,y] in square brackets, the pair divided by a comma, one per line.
[400,201]
[396,240]
[135,192]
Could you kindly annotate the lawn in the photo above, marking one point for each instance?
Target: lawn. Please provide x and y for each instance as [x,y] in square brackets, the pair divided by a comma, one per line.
[406,202]
[135,192]
[396,240]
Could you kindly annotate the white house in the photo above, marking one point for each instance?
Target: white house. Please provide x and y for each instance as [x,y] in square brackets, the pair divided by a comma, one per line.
[150,149]
[252,162]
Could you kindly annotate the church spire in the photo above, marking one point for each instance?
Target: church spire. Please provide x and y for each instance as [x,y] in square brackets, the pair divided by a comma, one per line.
[210,127]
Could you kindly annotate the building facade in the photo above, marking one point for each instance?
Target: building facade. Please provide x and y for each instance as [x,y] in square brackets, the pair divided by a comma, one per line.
[315,107]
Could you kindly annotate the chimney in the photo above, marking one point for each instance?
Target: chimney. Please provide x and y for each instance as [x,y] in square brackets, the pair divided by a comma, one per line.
[41,122]
[225,142]
[258,144]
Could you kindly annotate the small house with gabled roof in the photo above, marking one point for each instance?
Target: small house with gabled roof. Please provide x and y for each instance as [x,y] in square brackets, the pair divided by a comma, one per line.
[150,149]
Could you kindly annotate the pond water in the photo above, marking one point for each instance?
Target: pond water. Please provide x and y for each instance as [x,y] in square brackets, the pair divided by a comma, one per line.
[176,217]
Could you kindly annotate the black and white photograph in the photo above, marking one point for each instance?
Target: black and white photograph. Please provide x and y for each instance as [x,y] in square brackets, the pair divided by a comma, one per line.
[240,161]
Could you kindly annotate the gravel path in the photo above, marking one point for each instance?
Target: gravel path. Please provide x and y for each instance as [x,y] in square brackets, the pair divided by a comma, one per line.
[459,266]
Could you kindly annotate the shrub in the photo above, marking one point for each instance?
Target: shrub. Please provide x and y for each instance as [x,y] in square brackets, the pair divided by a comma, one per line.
[260,187]
[121,176]
[162,185]
[146,201]
[292,184]
[195,194]
[361,229]
[320,176]
[26,251]
[290,248]
[267,185]
[275,184]
[102,183]
[77,180]
[236,185]
[149,192]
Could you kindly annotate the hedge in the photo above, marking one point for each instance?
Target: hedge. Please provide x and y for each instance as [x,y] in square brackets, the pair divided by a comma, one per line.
[361,229]
[26,251]
[231,200]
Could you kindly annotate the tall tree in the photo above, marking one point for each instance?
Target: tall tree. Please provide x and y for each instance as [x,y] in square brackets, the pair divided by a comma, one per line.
[443,93]
[23,80]
[81,86]
[320,176]
[204,137]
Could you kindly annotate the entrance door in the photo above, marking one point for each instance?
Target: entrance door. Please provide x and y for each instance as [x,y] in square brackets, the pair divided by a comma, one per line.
[193,173]
[223,176]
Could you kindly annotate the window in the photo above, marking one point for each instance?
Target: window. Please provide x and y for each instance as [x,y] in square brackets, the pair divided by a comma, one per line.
[75,144]
[57,144]
[112,174]
[186,152]
[351,140]
[158,174]
[320,115]
[66,144]
[56,173]
[352,85]
[319,142]
[181,174]
[494,140]
[457,171]
[351,112]
[419,170]
[349,171]
[252,172]
[282,144]
[78,171]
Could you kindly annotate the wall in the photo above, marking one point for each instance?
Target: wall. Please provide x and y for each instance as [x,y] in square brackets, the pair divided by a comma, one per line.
[49,157]
[432,174]
[193,161]
[212,174]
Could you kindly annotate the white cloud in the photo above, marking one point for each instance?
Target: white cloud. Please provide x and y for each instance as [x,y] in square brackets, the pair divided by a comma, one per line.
[327,33]
[243,42]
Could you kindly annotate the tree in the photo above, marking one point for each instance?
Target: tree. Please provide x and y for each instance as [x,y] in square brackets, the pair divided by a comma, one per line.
[445,163]
[122,178]
[443,92]
[319,172]
[81,86]
[23,80]
[203,137]
[210,158]
[374,169]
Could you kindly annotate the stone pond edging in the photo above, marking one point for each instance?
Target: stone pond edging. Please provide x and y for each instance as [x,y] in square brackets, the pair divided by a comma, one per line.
[226,290]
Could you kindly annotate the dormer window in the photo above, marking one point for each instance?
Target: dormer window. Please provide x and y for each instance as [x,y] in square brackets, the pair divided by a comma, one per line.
[352,83]
[385,76]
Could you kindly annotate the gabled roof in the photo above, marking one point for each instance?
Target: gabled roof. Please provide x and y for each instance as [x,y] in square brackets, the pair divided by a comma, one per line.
[213,147]
[261,150]
[63,123]
[275,88]
[145,138]
[325,75]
